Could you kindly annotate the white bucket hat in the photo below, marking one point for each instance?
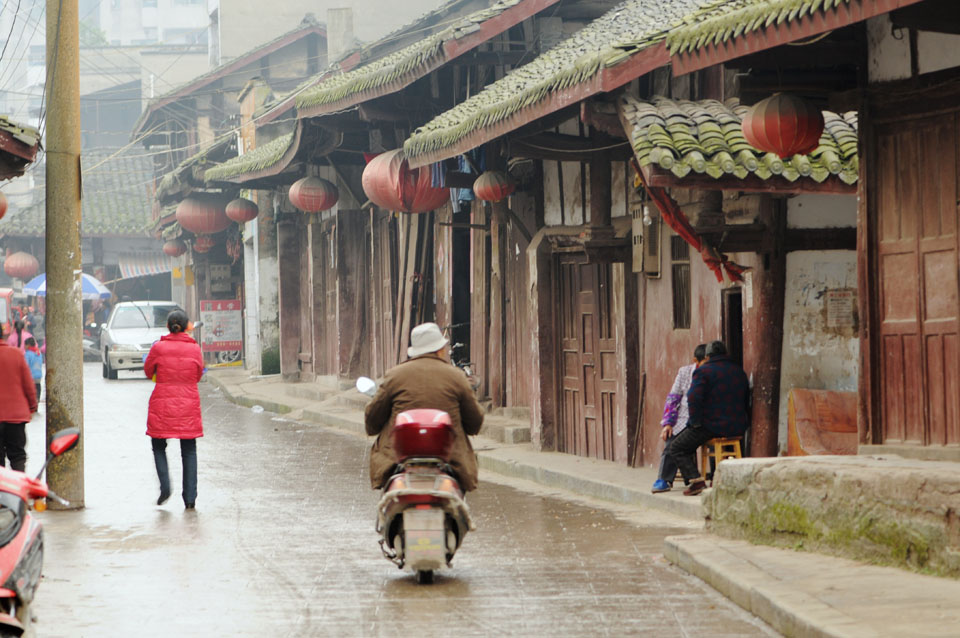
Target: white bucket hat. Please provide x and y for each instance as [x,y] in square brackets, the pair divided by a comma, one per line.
[426,338]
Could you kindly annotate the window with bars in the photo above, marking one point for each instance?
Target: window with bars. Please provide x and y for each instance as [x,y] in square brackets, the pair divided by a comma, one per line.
[680,271]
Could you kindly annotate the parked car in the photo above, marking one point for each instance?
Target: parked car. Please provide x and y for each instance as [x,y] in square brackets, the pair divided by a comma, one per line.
[131,330]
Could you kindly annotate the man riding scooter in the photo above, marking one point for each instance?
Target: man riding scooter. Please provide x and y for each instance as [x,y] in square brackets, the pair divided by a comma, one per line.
[425,380]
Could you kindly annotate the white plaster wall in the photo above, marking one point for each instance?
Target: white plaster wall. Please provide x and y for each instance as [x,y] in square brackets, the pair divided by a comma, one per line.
[822,211]
[620,182]
[889,51]
[814,355]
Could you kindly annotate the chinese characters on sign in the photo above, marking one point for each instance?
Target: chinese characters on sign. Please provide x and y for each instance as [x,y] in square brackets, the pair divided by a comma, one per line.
[840,306]
[222,329]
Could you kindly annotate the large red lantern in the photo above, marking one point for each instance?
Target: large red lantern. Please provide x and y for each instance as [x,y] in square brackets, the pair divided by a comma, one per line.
[492,186]
[203,243]
[203,213]
[174,248]
[391,184]
[313,194]
[3,204]
[21,265]
[242,210]
[783,124]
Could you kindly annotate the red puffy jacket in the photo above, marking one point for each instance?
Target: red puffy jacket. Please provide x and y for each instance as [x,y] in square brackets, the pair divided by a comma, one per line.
[174,411]
[18,398]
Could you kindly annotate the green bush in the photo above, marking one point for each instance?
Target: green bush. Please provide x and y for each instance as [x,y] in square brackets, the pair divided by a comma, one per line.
[270,361]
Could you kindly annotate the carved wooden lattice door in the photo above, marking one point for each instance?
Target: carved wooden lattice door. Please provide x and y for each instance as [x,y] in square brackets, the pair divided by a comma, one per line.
[588,359]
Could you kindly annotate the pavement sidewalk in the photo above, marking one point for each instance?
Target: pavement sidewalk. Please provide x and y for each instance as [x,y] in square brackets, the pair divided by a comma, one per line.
[798,593]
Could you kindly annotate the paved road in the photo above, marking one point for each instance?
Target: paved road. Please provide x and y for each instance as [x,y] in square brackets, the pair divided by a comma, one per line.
[282,544]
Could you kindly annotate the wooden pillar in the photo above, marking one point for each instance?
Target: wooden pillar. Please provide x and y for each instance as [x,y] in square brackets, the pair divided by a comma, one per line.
[600,186]
[769,282]
[288,282]
[480,298]
[495,351]
[351,290]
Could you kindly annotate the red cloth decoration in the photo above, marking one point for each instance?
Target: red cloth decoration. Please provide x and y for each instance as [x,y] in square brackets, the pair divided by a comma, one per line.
[675,219]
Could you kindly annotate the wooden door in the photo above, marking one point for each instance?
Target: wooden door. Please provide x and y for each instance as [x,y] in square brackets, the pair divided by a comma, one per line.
[918,295]
[517,352]
[589,375]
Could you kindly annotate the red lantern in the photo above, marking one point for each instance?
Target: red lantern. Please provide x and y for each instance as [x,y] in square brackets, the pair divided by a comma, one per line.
[3,204]
[203,243]
[242,210]
[21,265]
[203,213]
[783,124]
[313,194]
[492,186]
[174,247]
[390,183]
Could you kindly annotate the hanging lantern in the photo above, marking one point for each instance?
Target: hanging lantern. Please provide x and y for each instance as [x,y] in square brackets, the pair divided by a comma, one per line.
[21,265]
[783,124]
[492,186]
[202,243]
[174,248]
[3,204]
[391,184]
[203,213]
[313,194]
[242,210]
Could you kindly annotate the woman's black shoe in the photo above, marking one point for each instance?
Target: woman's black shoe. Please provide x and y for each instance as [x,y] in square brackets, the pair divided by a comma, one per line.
[163,497]
[189,506]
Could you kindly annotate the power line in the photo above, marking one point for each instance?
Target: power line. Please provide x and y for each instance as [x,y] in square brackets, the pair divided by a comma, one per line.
[12,25]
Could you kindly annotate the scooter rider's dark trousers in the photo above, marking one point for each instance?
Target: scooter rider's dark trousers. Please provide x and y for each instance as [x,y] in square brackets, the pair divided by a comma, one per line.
[188,455]
[13,443]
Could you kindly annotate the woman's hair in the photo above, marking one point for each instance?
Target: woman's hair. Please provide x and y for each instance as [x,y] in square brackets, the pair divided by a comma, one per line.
[700,352]
[30,342]
[177,321]
[18,326]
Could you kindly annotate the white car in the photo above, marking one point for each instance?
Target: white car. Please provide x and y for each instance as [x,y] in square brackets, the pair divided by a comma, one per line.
[133,327]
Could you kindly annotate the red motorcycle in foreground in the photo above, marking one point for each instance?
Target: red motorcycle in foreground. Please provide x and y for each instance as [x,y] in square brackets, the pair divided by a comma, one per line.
[21,537]
[422,517]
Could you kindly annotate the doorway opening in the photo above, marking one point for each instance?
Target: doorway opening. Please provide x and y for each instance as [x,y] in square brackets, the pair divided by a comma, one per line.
[732,323]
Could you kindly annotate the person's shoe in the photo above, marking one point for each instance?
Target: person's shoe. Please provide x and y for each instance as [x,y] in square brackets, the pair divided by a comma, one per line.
[695,488]
[189,506]
[660,486]
[163,497]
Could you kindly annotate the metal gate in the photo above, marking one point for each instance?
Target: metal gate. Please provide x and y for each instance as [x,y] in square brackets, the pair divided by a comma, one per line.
[589,375]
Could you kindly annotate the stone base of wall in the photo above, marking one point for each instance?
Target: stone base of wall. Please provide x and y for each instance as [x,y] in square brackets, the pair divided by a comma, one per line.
[882,509]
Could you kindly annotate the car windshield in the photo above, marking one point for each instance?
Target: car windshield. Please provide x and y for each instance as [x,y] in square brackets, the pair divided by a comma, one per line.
[134,316]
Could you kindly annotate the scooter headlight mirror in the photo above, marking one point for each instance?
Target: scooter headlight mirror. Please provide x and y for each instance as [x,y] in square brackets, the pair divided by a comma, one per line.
[366,385]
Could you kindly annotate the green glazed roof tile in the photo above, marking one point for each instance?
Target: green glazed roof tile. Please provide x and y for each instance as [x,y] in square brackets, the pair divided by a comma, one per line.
[258,159]
[609,40]
[723,20]
[706,137]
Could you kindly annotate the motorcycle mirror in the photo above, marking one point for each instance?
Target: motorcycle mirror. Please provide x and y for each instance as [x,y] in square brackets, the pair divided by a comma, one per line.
[64,441]
[366,385]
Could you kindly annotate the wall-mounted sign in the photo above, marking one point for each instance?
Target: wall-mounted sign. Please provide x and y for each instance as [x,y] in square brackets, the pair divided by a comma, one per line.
[840,306]
[219,277]
[222,328]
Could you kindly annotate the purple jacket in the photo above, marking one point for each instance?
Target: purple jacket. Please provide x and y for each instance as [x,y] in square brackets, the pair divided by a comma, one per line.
[719,397]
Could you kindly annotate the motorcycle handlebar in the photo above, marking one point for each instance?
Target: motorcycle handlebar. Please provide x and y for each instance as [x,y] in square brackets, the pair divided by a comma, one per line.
[62,501]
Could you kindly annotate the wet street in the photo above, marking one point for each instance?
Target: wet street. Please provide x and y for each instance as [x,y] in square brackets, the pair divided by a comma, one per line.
[282,543]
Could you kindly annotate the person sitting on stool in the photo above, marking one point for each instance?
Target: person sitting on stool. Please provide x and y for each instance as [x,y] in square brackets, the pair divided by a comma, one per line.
[718,401]
[675,417]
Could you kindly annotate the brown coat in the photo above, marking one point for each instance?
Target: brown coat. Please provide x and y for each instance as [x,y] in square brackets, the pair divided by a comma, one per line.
[426,381]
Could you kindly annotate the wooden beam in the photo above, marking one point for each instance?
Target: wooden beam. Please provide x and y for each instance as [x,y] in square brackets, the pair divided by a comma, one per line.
[933,15]
[821,239]
[567,148]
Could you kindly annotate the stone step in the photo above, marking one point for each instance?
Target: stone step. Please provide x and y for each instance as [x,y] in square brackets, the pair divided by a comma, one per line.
[505,430]
[518,413]
[311,391]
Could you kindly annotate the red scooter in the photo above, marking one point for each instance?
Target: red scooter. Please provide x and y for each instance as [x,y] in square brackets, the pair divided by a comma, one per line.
[21,537]
[422,517]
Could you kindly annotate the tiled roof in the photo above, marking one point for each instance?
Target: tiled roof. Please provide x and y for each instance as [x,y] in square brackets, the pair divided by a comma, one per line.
[722,20]
[613,38]
[706,137]
[24,134]
[410,62]
[258,159]
[189,173]
[117,198]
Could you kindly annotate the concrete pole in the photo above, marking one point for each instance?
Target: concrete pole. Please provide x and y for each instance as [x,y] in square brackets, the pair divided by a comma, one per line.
[64,303]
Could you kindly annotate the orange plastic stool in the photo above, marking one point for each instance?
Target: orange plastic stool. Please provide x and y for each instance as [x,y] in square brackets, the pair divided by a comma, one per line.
[718,449]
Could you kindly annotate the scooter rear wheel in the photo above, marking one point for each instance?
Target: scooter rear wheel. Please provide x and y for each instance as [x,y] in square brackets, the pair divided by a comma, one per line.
[424,576]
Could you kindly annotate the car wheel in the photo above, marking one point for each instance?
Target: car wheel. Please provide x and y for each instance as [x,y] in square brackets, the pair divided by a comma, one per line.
[106,371]
[228,356]
[111,373]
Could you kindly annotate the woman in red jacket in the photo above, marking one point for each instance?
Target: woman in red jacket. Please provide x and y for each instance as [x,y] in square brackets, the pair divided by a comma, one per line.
[175,363]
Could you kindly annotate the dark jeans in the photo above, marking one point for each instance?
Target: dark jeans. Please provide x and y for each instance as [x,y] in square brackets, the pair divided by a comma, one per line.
[188,455]
[13,441]
[36,384]
[684,451]
[668,467]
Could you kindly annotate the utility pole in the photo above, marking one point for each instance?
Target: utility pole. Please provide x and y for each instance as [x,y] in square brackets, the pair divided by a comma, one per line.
[64,303]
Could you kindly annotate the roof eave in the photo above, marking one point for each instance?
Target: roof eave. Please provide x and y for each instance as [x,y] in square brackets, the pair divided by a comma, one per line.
[270,171]
[608,79]
[775,35]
